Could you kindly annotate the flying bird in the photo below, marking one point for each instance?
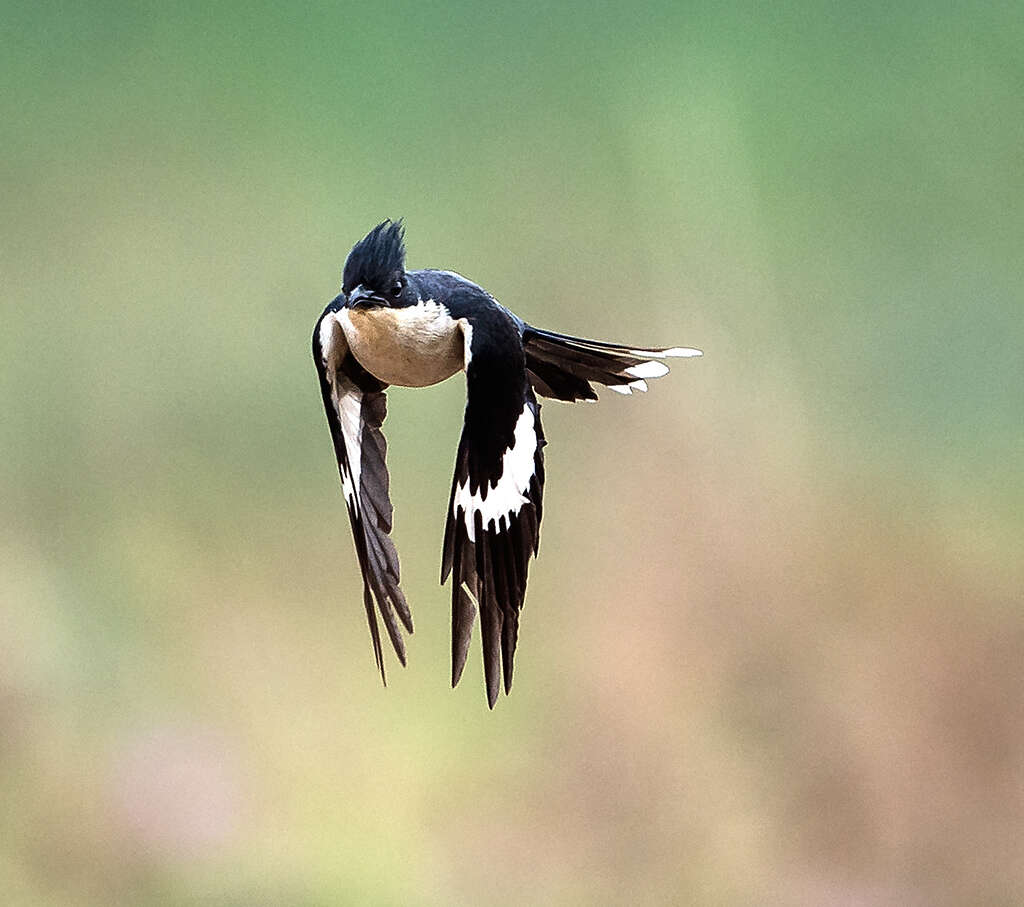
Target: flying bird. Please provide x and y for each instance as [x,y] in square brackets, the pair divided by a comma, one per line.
[417,328]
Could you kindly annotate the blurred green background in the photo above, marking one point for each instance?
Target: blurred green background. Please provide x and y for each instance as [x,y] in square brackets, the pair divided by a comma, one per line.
[773,650]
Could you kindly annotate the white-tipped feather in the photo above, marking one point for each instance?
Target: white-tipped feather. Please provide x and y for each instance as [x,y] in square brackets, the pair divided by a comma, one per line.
[674,352]
[650,369]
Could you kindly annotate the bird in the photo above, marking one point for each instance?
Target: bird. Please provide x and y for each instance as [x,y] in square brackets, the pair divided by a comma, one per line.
[390,326]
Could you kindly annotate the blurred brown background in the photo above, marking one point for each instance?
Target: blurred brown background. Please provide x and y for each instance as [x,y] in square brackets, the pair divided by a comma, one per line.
[773,649]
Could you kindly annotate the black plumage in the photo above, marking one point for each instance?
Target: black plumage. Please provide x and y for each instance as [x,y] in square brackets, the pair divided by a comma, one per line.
[392,326]
[376,258]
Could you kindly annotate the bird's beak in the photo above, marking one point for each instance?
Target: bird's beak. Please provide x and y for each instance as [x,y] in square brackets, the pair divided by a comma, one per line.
[362,298]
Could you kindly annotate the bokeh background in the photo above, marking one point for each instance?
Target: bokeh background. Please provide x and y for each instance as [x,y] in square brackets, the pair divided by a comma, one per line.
[773,650]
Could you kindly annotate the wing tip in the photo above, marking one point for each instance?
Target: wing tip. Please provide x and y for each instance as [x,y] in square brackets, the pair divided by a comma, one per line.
[463,616]
[493,687]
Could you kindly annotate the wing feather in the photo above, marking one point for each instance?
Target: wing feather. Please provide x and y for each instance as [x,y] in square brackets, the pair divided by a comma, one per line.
[563,367]
[493,522]
[356,407]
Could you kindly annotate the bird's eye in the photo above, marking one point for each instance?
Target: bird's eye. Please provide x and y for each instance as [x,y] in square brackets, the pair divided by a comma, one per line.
[398,286]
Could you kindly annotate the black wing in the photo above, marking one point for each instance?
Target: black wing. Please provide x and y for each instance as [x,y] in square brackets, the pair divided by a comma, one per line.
[356,406]
[563,367]
[493,523]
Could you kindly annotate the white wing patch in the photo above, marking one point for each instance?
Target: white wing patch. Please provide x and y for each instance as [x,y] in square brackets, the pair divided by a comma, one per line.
[327,351]
[348,403]
[507,497]
[349,406]
[467,339]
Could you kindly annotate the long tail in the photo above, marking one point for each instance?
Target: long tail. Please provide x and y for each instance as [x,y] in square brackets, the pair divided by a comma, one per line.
[563,367]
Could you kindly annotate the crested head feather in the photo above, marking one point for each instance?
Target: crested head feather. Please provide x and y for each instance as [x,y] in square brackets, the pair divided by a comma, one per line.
[374,260]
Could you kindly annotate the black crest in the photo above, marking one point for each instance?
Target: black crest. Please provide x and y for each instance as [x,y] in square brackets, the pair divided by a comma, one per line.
[374,260]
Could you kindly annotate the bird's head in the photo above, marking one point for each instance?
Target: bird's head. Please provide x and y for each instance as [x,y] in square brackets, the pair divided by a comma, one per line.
[375,269]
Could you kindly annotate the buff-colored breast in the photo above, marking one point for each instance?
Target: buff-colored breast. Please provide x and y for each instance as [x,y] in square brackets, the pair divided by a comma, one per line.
[412,347]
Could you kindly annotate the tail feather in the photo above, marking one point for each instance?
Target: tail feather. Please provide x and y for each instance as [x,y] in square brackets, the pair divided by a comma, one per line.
[563,367]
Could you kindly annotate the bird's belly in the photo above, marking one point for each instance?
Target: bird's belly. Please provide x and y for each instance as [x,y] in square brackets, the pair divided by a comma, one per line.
[412,346]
